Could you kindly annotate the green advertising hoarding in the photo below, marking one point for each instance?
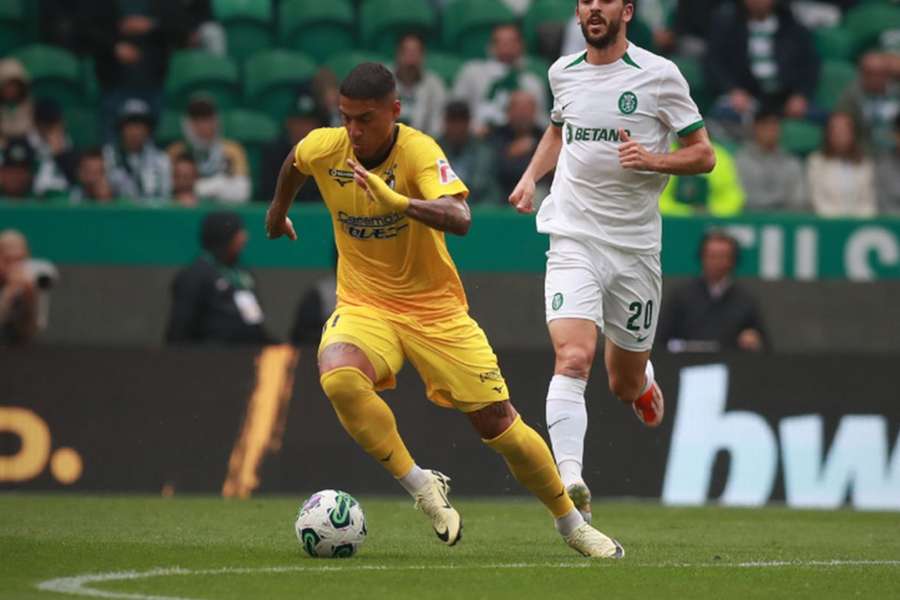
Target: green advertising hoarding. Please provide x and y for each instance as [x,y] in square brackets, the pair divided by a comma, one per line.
[773,247]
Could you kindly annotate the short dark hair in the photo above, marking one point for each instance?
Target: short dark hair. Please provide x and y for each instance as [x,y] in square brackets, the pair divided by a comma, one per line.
[184,157]
[411,35]
[720,235]
[90,152]
[368,81]
[457,110]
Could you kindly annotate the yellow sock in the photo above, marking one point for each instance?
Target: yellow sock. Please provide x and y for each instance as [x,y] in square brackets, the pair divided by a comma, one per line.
[529,459]
[367,418]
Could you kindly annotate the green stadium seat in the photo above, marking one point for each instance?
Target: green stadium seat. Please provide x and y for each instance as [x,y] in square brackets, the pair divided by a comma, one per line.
[83,127]
[444,65]
[383,22]
[834,77]
[168,128]
[319,29]
[693,72]
[253,130]
[468,24]
[193,71]
[867,22]
[13,30]
[55,73]
[342,64]
[545,15]
[248,25]
[834,43]
[800,137]
[272,78]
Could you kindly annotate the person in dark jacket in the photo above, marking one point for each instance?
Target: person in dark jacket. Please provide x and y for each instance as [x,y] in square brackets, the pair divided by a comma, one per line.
[713,312]
[213,299]
[759,54]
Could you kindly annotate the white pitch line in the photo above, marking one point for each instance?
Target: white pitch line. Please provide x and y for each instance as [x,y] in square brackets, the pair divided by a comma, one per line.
[79,585]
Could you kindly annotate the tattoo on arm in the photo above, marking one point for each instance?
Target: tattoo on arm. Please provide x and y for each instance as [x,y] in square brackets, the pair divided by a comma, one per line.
[447,213]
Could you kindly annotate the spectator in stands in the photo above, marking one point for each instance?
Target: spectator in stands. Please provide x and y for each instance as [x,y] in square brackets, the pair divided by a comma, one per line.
[840,176]
[514,143]
[130,42]
[472,158]
[56,157]
[688,29]
[18,292]
[304,116]
[326,92]
[422,94]
[718,193]
[759,55]
[184,181]
[887,172]
[204,33]
[486,84]
[92,185]
[17,169]
[16,107]
[773,179]
[137,170]
[213,299]
[713,312]
[873,100]
[221,163]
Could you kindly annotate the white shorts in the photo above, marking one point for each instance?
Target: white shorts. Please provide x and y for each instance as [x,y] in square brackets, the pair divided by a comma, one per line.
[618,290]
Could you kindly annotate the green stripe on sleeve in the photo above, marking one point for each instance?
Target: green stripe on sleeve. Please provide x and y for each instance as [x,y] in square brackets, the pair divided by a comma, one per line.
[691,128]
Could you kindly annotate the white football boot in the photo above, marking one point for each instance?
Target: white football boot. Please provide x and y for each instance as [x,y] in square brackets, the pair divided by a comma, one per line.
[593,544]
[432,500]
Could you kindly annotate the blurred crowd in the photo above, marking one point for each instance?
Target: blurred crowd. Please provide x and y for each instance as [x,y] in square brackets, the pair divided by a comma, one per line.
[795,128]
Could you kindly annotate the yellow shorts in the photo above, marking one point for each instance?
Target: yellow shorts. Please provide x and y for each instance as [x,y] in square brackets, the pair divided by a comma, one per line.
[453,357]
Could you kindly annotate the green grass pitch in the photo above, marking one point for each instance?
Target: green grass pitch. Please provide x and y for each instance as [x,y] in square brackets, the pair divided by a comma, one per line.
[201,548]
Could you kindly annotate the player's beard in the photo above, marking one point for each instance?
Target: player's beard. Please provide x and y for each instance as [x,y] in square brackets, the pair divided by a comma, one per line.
[601,42]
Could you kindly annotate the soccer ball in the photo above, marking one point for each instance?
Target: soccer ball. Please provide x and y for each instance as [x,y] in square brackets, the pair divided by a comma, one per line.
[331,524]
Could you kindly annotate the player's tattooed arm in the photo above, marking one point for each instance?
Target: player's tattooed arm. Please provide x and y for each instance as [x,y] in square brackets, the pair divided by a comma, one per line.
[695,155]
[447,213]
[289,181]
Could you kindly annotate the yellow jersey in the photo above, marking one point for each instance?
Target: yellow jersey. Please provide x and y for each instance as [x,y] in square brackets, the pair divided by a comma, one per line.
[387,260]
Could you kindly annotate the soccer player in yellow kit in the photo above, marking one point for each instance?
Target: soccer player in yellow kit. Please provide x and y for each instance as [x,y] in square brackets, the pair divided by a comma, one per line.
[392,194]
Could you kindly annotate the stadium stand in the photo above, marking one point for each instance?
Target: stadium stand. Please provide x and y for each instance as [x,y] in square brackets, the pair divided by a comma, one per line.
[192,71]
[272,79]
[248,26]
[383,22]
[320,29]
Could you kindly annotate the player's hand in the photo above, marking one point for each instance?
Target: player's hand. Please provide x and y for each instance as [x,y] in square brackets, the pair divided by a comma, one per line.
[278,226]
[634,156]
[377,188]
[523,196]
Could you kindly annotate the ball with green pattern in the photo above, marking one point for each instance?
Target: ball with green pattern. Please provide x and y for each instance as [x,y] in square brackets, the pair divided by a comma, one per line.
[331,524]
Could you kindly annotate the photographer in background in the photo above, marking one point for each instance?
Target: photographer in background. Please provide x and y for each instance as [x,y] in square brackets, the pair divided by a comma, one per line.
[18,291]
[214,300]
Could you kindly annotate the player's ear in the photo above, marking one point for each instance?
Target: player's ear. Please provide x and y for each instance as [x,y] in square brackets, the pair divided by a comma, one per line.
[395,108]
[628,12]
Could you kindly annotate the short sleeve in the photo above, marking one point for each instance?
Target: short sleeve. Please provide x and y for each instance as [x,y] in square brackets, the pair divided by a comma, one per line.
[675,106]
[303,154]
[556,112]
[433,174]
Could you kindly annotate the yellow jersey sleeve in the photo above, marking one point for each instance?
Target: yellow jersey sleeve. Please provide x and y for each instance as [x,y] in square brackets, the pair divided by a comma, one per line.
[434,176]
[317,144]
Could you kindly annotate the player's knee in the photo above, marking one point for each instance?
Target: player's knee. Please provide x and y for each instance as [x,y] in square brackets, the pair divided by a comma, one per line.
[624,387]
[574,360]
[345,384]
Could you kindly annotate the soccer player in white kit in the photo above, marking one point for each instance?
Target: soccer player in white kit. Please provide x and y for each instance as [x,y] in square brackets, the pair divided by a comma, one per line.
[616,108]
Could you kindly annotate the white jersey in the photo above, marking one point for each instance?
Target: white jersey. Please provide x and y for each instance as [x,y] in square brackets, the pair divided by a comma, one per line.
[593,197]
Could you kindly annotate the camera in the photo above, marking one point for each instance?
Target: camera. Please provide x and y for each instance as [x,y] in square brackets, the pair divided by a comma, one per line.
[43,273]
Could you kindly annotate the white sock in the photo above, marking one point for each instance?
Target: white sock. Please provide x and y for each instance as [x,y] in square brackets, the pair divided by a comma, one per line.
[415,479]
[567,425]
[568,523]
[648,374]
